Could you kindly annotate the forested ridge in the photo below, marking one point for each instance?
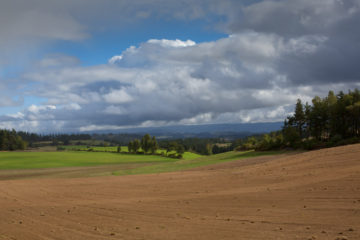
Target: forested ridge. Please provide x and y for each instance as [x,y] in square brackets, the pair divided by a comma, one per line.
[326,122]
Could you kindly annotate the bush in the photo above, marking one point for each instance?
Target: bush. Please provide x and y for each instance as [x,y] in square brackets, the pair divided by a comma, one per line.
[349,141]
[172,155]
[60,148]
[311,144]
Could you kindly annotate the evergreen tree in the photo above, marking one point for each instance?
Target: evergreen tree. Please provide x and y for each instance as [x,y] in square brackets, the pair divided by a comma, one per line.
[136,145]
[180,150]
[154,145]
[130,146]
[299,117]
[146,143]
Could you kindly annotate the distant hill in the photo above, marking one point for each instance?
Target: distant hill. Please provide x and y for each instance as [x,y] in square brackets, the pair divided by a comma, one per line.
[234,130]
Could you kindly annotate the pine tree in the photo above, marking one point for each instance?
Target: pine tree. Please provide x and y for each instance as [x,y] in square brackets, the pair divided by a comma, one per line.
[154,145]
[130,146]
[146,143]
[299,117]
[136,145]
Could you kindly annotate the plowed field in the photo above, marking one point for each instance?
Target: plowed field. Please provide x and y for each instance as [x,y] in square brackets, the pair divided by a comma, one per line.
[312,195]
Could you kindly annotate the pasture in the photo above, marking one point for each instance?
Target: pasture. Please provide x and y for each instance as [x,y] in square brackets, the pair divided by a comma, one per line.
[31,160]
[68,164]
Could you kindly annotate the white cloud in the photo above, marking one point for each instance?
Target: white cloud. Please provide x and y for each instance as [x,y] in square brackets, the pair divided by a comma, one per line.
[118,96]
[89,128]
[36,109]
[172,43]
[18,115]
[115,59]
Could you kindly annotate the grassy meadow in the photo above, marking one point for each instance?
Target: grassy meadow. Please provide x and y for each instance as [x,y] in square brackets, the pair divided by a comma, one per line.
[189,163]
[108,163]
[32,160]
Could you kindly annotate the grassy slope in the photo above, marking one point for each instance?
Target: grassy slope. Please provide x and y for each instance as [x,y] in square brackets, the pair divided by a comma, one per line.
[125,163]
[31,160]
[193,162]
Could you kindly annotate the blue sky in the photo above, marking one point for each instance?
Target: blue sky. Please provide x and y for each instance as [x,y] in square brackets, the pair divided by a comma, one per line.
[77,65]
[102,46]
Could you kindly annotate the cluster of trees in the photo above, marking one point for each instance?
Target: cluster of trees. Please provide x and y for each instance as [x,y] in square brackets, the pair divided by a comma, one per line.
[334,117]
[329,121]
[147,144]
[174,146]
[202,146]
[10,141]
[271,141]
[221,148]
[55,139]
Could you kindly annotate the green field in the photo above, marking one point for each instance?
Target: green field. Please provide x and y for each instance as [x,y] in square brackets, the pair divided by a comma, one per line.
[31,160]
[184,164]
[115,163]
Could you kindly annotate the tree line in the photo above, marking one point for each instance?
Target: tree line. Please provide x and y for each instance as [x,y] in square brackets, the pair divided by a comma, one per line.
[330,121]
[203,146]
[56,139]
[11,140]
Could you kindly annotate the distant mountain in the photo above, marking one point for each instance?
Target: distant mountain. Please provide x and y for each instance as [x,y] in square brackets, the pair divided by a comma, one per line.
[234,130]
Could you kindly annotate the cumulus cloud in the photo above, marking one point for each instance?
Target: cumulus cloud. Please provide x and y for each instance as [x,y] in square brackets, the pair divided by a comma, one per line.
[220,81]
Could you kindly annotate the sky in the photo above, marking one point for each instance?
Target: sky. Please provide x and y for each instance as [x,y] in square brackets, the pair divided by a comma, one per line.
[86,65]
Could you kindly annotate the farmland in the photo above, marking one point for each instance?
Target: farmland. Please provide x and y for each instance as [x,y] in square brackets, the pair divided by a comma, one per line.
[31,160]
[82,163]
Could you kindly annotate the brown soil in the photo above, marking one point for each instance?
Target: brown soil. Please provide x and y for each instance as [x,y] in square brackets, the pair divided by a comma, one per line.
[312,195]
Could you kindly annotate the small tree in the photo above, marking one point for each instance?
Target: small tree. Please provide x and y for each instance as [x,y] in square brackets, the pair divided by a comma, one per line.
[299,117]
[291,137]
[180,150]
[146,143]
[136,145]
[154,145]
[119,149]
[130,146]
[171,146]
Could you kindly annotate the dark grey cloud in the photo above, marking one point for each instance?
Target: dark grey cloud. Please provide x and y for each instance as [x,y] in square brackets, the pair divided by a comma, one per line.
[296,17]
[337,21]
